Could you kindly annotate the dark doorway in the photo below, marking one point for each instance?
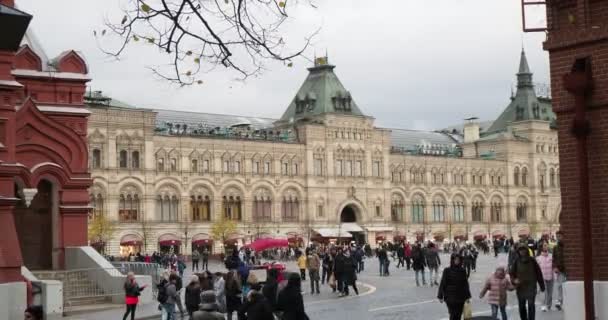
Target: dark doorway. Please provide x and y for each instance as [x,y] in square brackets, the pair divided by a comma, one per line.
[348,215]
[34,228]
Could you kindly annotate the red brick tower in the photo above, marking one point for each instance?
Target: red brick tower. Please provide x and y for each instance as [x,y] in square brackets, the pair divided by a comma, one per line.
[44,175]
[577,41]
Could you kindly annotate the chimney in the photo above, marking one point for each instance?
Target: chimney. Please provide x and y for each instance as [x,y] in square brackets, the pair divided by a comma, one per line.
[471,130]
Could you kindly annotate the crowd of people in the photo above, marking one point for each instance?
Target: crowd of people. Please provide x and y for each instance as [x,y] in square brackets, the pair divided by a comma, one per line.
[237,293]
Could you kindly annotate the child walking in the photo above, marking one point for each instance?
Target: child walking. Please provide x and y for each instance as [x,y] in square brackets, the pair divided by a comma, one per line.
[496,286]
[545,262]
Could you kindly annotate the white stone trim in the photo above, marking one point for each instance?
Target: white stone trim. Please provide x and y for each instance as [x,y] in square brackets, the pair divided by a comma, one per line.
[574,300]
[61,109]
[51,74]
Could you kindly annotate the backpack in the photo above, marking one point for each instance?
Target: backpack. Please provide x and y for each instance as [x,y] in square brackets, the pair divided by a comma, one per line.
[162,295]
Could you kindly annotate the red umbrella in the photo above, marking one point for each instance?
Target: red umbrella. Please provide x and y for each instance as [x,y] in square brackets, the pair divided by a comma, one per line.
[267,243]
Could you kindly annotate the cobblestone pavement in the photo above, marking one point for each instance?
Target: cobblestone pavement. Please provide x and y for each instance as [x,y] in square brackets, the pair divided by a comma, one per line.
[381,298]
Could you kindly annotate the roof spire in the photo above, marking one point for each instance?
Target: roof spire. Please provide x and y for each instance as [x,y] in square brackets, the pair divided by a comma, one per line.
[523,63]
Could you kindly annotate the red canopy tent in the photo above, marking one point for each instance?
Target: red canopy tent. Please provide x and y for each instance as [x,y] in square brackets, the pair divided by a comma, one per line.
[268,243]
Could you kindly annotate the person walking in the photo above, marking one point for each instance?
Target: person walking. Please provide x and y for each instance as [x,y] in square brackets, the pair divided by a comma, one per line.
[545,262]
[193,295]
[302,266]
[408,255]
[195,258]
[208,309]
[559,269]
[349,277]
[401,256]
[219,287]
[290,301]
[467,257]
[327,267]
[256,307]
[358,255]
[496,286]
[168,306]
[454,287]
[313,264]
[382,261]
[433,262]
[418,263]
[233,293]
[271,287]
[132,293]
[525,274]
[179,284]
[339,262]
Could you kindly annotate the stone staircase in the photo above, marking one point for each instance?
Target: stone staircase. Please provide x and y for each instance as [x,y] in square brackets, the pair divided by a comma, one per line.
[79,291]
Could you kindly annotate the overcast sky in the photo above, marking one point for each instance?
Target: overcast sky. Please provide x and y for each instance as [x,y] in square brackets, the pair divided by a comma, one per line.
[410,64]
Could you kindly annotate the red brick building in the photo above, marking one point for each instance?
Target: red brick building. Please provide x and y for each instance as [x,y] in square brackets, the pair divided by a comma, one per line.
[577,42]
[43,152]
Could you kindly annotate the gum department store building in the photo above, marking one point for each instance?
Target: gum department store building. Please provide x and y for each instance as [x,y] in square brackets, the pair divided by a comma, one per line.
[321,172]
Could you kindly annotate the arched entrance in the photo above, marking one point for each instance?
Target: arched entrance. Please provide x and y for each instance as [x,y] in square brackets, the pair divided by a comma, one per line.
[34,224]
[348,214]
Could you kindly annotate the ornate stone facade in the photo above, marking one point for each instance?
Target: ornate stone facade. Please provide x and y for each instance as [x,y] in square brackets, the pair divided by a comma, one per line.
[164,177]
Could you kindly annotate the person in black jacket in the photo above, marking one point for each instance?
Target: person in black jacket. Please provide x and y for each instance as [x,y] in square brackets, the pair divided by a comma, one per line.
[401,255]
[418,264]
[256,307]
[132,293]
[290,300]
[269,290]
[193,295]
[525,274]
[349,276]
[454,287]
[339,269]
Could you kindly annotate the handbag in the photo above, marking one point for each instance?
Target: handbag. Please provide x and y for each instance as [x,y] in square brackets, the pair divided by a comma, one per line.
[467,311]
[332,281]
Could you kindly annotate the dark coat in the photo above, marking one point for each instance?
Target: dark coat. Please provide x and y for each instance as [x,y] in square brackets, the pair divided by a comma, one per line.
[349,270]
[132,289]
[193,297]
[527,271]
[339,263]
[290,300]
[418,262]
[258,309]
[558,257]
[454,286]
[270,292]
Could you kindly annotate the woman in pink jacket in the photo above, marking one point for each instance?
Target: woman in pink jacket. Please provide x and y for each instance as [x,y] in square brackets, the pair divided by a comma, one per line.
[545,262]
[496,286]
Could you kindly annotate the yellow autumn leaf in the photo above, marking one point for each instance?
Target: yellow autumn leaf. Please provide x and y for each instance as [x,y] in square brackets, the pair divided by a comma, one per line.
[197,60]
[290,64]
[145,8]
[151,40]
[282,4]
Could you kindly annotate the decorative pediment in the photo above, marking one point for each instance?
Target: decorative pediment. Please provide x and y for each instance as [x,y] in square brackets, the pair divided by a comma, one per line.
[71,61]
[41,139]
[27,59]
[96,137]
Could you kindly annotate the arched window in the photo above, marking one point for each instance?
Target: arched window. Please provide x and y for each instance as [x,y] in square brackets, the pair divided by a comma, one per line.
[97,203]
[128,207]
[522,210]
[201,208]
[290,208]
[524,177]
[496,210]
[173,163]
[194,165]
[167,207]
[96,159]
[122,159]
[232,208]
[439,209]
[516,176]
[458,204]
[262,206]
[417,209]
[135,160]
[397,205]
[477,210]
[552,178]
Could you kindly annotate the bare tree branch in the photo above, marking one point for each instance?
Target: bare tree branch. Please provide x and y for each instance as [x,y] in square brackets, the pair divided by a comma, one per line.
[198,35]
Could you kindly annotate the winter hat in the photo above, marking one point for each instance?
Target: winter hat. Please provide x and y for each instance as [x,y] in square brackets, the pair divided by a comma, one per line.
[208,301]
